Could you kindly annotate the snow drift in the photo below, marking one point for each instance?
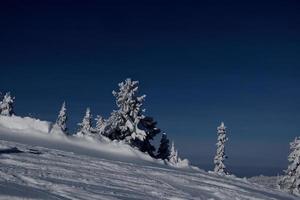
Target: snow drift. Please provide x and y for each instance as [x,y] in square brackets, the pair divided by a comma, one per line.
[42,133]
[25,124]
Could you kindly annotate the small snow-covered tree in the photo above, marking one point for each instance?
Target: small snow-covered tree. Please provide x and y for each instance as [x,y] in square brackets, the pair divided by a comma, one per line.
[173,157]
[175,160]
[62,118]
[290,182]
[163,150]
[6,105]
[86,124]
[100,125]
[220,157]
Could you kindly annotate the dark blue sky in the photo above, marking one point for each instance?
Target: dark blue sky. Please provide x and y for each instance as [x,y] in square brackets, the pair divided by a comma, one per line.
[199,62]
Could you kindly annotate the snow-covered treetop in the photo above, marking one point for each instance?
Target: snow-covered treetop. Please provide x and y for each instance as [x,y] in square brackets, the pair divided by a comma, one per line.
[173,157]
[127,99]
[63,109]
[221,128]
[6,105]
[100,124]
[86,124]
[62,118]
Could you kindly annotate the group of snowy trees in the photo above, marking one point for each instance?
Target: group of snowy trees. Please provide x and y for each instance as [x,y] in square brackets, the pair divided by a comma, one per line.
[128,124]
[290,181]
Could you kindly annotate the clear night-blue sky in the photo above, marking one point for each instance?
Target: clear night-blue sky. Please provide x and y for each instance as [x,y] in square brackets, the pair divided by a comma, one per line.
[199,62]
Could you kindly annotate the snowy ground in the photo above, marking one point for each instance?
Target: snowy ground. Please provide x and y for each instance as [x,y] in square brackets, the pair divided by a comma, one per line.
[268,181]
[37,165]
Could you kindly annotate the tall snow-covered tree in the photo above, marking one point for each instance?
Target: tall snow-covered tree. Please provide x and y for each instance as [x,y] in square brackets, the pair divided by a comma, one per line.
[6,105]
[130,112]
[128,123]
[173,157]
[163,150]
[220,157]
[86,125]
[100,125]
[290,182]
[62,118]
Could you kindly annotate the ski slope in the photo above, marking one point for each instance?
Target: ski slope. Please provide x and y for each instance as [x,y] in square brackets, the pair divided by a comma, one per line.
[36,163]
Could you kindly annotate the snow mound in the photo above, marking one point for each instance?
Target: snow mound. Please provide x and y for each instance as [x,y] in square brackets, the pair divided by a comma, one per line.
[36,132]
[42,133]
[25,124]
[185,163]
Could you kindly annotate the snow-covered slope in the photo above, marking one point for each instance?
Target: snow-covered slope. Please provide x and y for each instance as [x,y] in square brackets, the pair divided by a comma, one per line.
[267,181]
[41,165]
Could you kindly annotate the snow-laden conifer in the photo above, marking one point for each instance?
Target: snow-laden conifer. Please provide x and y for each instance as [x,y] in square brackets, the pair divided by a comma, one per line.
[173,157]
[100,125]
[163,150]
[128,123]
[175,160]
[86,125]
[220,157]
[6,105]
[62,118]
[290,182]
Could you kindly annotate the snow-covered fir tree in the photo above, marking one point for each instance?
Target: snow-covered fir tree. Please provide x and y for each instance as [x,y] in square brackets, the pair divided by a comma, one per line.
[100,125]
[128,123]
[62,118]
[85,126]
[175,160]
[6,105]
[291,180]
[173,157]
[163,150]
[220,157]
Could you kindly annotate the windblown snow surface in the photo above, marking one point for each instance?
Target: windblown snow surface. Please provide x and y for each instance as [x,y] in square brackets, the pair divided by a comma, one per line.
[39,163]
